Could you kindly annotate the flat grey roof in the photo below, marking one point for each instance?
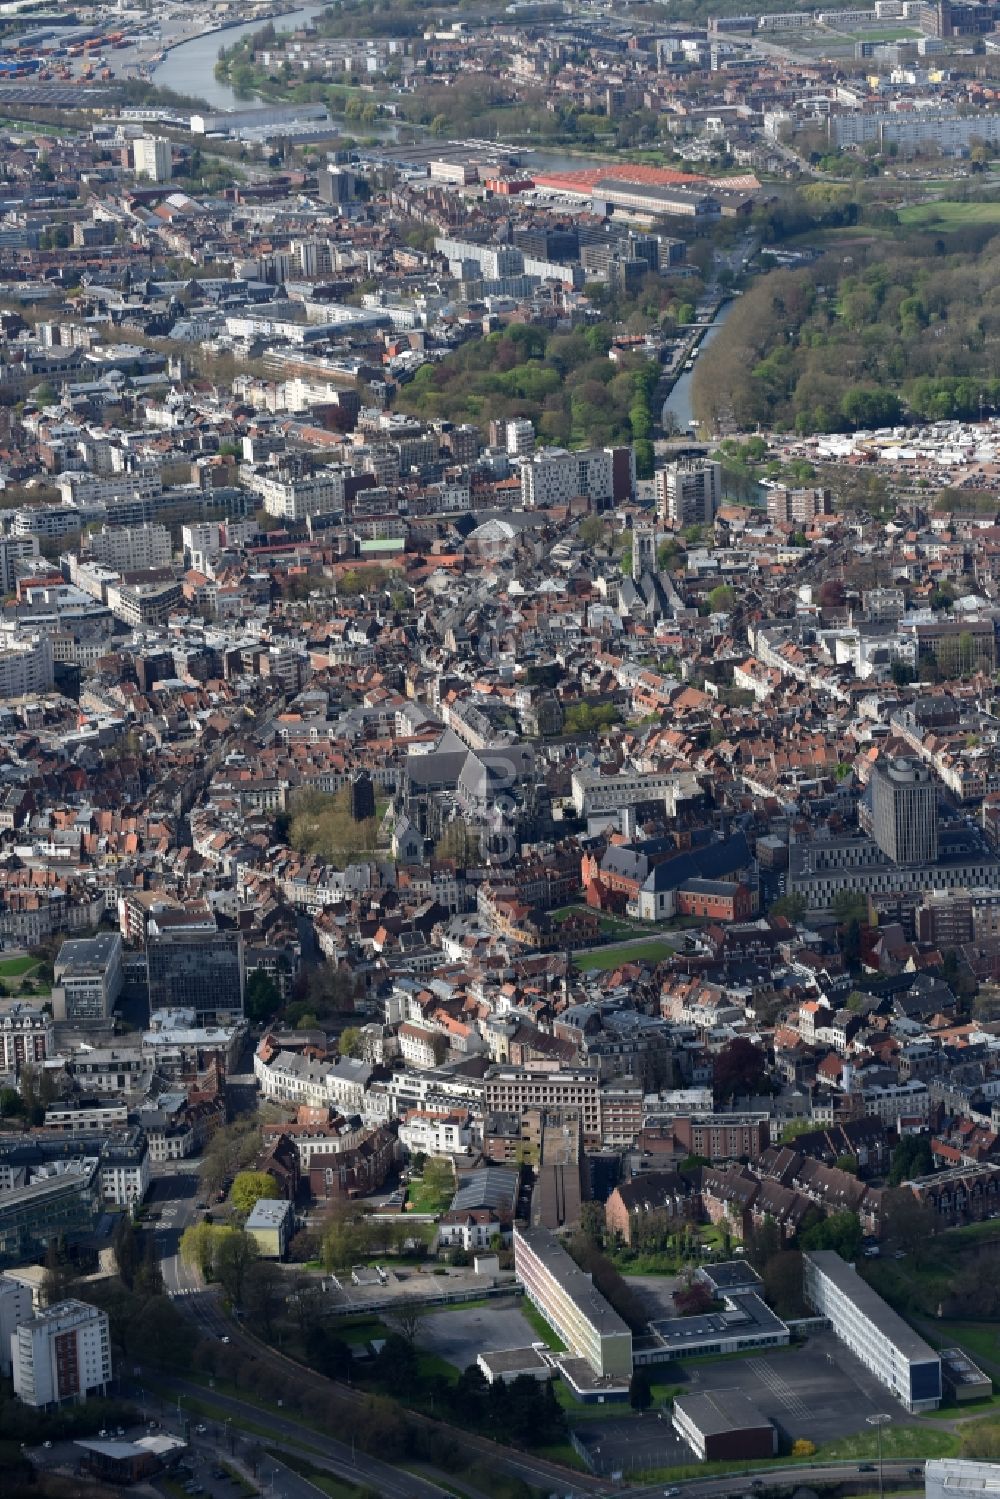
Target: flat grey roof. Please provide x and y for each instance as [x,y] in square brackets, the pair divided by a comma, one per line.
[268,1213]
[715,1412]
[882,1317]
[577,1286]
[743,1314]
[507,1360]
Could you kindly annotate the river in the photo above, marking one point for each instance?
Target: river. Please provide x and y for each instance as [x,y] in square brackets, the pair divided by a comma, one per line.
[678,402]
[190,67]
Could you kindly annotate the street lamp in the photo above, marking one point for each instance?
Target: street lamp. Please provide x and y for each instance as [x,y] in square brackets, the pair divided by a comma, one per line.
[880,1419]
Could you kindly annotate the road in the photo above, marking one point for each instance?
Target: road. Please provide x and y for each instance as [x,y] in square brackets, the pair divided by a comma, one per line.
[203,1307]
[215,1443]
[173,1195]
[794,1477]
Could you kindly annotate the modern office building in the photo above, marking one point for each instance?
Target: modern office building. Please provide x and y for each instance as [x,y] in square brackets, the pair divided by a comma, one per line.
[62,1353]
[874,1333]
[88,977]
[132,548]
[195,967]
[904,811]
[689,492]
[512,1090]
[572,1305]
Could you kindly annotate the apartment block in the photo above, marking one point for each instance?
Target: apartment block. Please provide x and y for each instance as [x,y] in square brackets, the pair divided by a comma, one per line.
[61,1354]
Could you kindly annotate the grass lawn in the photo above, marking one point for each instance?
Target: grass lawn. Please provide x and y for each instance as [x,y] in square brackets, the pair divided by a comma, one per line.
[979,1339]
[897,1442]
[16,968]
[359,1331]
[945,215]
[548,1335]
[561,1452]
[423,1199]
[602,960]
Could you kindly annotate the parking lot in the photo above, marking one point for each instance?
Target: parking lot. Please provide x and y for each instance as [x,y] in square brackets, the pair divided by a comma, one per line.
[819,1391]
[461,1335]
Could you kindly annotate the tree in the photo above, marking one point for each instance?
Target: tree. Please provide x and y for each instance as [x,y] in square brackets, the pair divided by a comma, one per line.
[907,1222]
[850,905]
[911,1157]
[721,599]
[58,1278]
[592,1222]
[149,1276]
[234,1255]
[231,1149]
[263,1294]
[351,1042]
[792,907]
[197,1247]
[640,1394]
[840,1232]
[248,1188]
[262,998]
[692,1297]
[439,1178]
[405,1316]
[740,1068]
[126,1249]
[782,1276]
[11,1103]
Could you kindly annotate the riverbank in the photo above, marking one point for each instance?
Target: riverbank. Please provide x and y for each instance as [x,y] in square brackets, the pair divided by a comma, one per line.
[188,61]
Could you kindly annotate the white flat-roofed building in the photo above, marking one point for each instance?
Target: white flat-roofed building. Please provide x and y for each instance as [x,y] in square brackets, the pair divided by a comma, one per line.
[572,1304]
[956,1478]
[874,1333]
[128,549]
[62,1353]
[25,664]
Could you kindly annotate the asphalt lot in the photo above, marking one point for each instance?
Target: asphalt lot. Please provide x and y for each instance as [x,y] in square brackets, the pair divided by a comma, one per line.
[657,1292]
[819,1391]
[627,1444]
[461,1335]
[801,1391]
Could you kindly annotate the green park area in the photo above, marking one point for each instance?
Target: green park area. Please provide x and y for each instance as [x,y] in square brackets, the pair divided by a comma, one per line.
[942,214]
[604,959]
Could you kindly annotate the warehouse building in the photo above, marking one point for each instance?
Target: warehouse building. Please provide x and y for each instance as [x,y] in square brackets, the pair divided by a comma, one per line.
[874,1333]
[723,1424]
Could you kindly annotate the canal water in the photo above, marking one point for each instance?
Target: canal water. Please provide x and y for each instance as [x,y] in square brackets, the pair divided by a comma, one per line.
[678,402]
